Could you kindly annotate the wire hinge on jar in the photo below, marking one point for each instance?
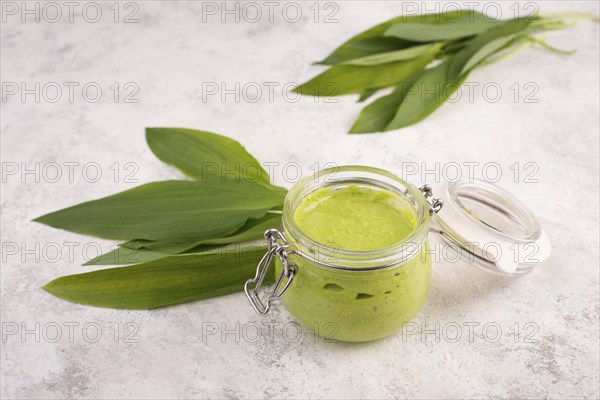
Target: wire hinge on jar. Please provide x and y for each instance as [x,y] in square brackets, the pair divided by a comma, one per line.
[275,248]
[435,205]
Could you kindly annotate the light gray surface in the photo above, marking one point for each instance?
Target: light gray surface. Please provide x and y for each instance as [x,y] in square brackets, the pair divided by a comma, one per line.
[169,53]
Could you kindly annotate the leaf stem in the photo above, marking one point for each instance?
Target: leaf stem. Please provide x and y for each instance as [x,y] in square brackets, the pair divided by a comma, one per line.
[571,15]
[508,54]
[545,45]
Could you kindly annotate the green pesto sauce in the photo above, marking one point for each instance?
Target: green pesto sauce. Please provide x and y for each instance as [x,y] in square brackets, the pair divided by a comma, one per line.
[363,305]
[354,218]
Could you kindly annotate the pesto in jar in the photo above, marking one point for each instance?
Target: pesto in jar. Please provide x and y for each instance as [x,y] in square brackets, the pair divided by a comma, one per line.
[356,305]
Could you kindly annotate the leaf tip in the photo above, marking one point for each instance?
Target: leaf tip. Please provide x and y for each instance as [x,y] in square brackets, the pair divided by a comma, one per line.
[361,132]
[42,219]
[150,131]
[55,286]
[356,130]
[51,287]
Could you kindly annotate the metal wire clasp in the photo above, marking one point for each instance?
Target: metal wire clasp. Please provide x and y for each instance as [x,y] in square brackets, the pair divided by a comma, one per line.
[275,248]
[435,205]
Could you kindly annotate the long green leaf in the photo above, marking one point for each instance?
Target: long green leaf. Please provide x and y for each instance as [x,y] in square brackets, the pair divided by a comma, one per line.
[253,229]
[167,281]
[170,210]
[125,255]
[390,56]
[486,51]
[349,79]
[377,115]
[135,244]
[364,48]
[364,96]
[201,154]
[372,41]
[428,93]
[463,26]
[129,256]
[506,29]
[134,252]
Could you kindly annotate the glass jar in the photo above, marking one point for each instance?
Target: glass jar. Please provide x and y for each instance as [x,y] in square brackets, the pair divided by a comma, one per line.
[353,295]
[360,296]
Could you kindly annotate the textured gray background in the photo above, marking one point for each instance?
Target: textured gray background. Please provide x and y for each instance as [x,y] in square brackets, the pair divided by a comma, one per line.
[169,53]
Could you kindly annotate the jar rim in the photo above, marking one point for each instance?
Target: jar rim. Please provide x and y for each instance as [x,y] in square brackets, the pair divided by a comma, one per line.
[395,254]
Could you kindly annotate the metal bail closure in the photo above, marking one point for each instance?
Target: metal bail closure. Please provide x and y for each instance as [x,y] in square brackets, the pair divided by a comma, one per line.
[273,237]
[435,205]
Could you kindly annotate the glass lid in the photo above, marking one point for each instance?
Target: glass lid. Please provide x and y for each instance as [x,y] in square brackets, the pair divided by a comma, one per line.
[488,227]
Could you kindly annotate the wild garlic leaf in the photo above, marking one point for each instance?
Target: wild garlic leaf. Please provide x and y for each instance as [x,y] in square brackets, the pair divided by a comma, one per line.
[467,24]
[201,154]
[126,255]
[135,244]
[377,115]
[506,29]
[428,93]
[486,51]
[390,56]
[542,43]
[166,281]
[372,41]
[170,210]
[253,229]
[364,48]
[366,95]
[348,79]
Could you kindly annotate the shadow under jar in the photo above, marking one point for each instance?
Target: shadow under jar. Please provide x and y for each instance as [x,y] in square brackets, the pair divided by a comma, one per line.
[352,259]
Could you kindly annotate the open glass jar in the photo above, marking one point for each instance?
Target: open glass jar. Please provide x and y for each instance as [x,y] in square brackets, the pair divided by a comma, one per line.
[366,283]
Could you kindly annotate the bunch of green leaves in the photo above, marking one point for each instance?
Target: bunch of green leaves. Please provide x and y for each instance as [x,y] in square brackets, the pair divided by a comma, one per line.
[424,59]
[183,240]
